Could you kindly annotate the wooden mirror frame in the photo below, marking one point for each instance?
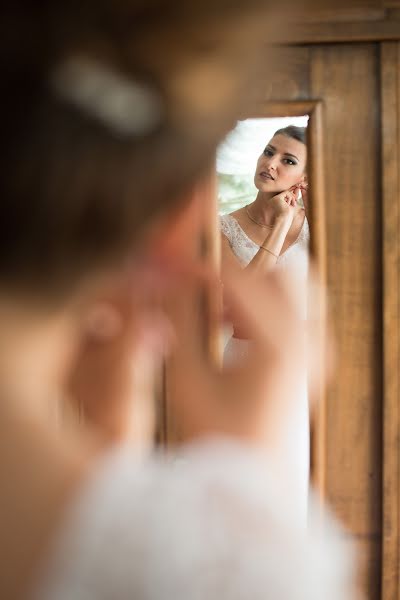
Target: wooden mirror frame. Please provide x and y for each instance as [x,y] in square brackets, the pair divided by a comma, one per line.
[211,248]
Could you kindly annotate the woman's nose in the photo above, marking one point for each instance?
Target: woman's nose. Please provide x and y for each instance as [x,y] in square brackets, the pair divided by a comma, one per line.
[273,163]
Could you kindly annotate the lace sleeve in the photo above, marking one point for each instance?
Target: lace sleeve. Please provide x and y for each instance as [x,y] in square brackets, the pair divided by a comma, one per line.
[209,527]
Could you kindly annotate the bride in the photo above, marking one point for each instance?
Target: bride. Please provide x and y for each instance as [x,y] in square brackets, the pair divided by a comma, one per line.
[272,232]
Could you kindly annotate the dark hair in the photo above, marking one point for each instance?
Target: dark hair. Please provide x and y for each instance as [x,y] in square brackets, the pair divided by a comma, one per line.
[292,131]
[75,194]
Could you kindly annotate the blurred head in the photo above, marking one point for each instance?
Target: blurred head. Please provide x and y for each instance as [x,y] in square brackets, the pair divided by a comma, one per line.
[111,113]
[283,161]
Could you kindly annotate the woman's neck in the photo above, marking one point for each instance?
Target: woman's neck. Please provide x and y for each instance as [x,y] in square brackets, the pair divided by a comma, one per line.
[261,207]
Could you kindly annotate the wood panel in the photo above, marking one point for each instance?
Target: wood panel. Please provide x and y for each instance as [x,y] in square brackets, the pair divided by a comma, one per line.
[291,81]
[353,21]
[387,28]
[343,10]
[346,78]
[390,68]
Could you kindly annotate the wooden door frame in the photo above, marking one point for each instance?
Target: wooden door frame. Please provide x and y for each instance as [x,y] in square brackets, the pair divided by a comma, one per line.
[314,110]
[390,102]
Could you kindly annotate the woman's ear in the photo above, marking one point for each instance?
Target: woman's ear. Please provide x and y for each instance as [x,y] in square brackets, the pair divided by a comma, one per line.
[304,193]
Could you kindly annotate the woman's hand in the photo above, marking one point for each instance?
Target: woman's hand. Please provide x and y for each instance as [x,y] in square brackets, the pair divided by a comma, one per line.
[284,205]
[301,187]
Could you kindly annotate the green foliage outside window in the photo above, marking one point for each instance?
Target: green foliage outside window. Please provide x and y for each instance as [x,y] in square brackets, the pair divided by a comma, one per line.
[235,191]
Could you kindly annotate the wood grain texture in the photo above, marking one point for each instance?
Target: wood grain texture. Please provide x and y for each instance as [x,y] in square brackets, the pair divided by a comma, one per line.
[346,11]
[318,250]
[291,81]
[363,26]
[346,78]
[390,90]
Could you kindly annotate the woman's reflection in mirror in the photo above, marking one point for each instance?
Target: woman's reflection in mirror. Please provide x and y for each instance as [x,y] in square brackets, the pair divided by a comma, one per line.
[272,232]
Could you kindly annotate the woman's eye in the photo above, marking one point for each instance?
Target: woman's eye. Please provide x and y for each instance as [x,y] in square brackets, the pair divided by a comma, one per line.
[268,152]
[289,161]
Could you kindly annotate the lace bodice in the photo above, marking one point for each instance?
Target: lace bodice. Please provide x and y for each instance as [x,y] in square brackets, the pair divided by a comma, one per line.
[245,249]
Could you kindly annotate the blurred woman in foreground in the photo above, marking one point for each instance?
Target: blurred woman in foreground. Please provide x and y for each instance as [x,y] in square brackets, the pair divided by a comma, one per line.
[111,113]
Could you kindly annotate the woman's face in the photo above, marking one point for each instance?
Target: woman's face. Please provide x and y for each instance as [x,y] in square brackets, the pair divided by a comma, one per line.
[281,165]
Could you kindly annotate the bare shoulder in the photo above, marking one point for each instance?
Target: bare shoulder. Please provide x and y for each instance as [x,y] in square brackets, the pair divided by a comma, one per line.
[238,214]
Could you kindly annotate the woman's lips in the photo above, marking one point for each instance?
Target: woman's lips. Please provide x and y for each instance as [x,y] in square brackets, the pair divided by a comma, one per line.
[266,175]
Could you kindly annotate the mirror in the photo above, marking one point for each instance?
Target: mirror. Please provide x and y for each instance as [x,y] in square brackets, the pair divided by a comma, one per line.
[254,164]
[263,169]
[234,188]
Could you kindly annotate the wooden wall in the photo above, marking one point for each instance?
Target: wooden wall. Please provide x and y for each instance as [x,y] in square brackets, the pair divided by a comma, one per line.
[390,106]
[347,79]
[349,20]
[359,86]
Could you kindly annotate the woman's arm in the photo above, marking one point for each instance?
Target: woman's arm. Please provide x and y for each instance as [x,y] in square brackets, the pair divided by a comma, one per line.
[233,526]
[267,256]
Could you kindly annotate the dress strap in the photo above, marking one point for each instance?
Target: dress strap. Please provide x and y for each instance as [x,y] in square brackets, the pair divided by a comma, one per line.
[227,226]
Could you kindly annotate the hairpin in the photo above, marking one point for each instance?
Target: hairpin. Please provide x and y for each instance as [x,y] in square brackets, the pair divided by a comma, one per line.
[126,106]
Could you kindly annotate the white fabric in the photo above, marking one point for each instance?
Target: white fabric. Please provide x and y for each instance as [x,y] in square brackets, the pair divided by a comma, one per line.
[211,527]
[295,444]
[295,257]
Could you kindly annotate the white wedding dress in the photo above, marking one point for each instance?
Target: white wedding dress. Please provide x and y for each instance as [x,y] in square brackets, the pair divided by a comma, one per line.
[295,445]
[213,526]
